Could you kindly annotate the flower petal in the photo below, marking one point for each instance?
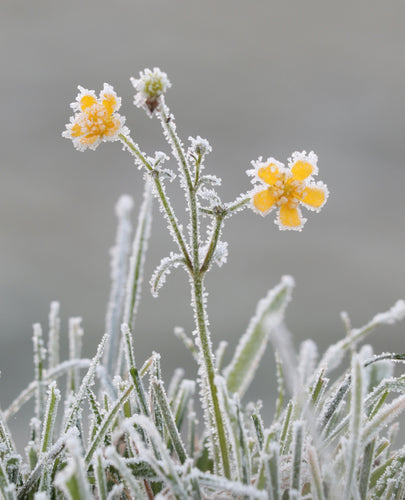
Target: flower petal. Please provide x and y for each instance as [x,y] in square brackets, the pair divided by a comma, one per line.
[109,99]
[86,101]
[263,201]
[301,170]
[290,218]
[303,165]
[315,196]
[270,174]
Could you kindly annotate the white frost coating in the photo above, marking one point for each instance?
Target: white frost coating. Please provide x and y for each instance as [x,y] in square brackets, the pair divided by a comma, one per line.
[270,319]
[53,336]
[116,492]
[75,348]
[393,315]
[281,338]
[308,356]
[228,412]
[118,272]
[305,157]
[124,206]
[150,85]
[199,146]
[174,385]
[137,259]
[163,270]
[74,468]
[41,495]
[335,353]
[385,416]
[88,380]
[233,487]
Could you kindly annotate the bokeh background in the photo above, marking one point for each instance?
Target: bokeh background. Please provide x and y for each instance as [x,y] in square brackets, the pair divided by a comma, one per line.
[255,78]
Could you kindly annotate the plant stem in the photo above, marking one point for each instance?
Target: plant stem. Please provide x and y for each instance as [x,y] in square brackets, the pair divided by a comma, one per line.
[207,363]
[162,195]
[221,452]
[213,244]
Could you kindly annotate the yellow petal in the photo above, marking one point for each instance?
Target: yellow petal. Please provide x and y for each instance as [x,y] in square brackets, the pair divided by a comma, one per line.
[86,101]
[301,170]
[289,218]
[315,196]
[76,130]
[270,174]
[89,139]
[112,127]
[109,101]
[263,201]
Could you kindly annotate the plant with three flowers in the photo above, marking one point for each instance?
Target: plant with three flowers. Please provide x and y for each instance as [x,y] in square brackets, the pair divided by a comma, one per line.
[328,439]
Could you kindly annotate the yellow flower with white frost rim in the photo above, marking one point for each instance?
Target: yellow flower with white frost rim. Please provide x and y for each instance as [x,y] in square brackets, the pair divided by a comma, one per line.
[96,119]
[286,188]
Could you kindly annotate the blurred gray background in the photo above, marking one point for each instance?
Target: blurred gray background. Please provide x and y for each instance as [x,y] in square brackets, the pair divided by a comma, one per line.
[255,78]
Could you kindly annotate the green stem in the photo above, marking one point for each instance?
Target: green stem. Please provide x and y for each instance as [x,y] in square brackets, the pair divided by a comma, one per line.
[213,244]
[221,454]
[238,204]
[220,447]
[169,212]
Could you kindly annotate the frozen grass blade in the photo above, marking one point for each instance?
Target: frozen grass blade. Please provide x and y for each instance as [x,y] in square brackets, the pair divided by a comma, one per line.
[88,381]
[169,420]
[335,353]
[72,480]
[53,337]
[298,444]
[316,475]
[130,359]
[248,353]
[119,264]
[356,417]
[39,364]
[75,350]
[125,472]
[106,425]
[99,473]
[137,260]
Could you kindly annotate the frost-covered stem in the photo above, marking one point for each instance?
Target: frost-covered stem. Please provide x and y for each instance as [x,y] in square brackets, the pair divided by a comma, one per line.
[213,243]
[238,204]
[208,364]
[220,446]
[167,208]
[174,141]
[197,170]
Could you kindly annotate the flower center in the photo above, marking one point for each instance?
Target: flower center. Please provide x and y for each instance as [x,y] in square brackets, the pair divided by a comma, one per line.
[287,191]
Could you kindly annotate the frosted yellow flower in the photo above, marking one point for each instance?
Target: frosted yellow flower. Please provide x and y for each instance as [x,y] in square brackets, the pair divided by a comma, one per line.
[285,188]
[96,119]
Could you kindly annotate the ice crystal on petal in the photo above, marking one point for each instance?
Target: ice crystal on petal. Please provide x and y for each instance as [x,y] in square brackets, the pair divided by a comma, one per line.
[284,189]
[150,85]
[96,119]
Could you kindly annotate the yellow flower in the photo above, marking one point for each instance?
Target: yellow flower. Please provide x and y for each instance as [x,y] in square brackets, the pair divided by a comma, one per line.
[285,189]
[96,119]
